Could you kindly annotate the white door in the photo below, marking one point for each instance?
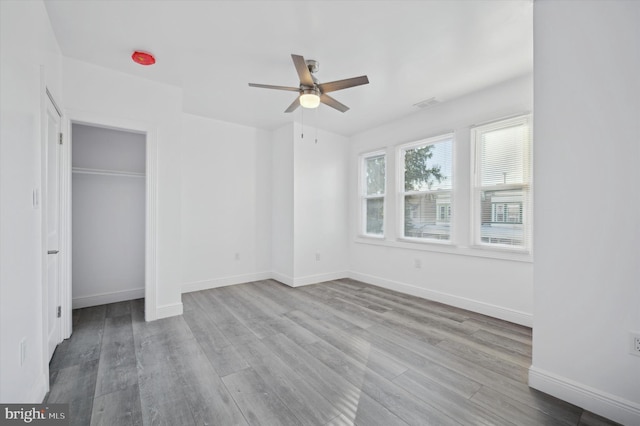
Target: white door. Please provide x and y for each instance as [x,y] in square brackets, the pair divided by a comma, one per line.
[53,311]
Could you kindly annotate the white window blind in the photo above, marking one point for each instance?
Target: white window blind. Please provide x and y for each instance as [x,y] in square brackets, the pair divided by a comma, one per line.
[373,184]
[426,188]
[502,184]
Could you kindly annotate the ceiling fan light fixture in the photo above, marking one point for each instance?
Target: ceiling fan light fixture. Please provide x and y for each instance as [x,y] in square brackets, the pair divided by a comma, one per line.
[310,99]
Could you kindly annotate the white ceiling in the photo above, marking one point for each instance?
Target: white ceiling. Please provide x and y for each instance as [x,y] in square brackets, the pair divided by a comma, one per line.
[410,50]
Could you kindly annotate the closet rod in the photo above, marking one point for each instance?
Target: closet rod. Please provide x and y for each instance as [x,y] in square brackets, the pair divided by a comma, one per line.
[100,172]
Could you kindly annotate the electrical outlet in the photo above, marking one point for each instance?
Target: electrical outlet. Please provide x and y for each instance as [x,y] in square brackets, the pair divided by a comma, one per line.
[417,263]
[635,344]
[237,257]
[317,256]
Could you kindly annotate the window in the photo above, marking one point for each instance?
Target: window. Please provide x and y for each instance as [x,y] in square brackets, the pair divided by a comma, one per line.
[494,219]
[426,188]
[502,184]
[373,183]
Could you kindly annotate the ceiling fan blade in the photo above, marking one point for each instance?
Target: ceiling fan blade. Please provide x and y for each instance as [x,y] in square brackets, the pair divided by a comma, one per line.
[303,70]
[269,86]
[295,104]
[328,100]
[332,86]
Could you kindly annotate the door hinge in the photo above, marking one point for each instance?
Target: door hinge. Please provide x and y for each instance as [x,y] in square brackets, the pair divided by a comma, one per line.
[59,311]
[60,138]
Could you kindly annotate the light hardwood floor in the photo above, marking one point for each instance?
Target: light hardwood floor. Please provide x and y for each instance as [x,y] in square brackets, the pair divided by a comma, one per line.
[336,353]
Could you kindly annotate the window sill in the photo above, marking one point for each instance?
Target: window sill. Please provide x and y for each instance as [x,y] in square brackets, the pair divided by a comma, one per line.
[371,237]
[430,241]
[449,248]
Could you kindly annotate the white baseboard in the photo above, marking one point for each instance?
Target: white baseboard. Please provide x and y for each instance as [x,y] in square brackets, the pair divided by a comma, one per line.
[225,281]
[104,298]
[166,311]
[610,406]
[284,279]
[309,279]
[320,278]
[495,311]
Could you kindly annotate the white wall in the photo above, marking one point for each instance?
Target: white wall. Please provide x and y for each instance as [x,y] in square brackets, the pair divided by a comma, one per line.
[108,215]
[320,205]
[100,148]
[309,206]
[500,286]
[114,98]
[282,205]
[21,250]
[587,152]
[226,203]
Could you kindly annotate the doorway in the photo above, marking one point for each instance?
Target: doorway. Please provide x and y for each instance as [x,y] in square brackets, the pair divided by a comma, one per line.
[108,214]
[149,132]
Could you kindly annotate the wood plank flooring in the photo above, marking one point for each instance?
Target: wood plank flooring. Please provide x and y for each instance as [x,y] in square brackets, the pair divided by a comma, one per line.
[336,353]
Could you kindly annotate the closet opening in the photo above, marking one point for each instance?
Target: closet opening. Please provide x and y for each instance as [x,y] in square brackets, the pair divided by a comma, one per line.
[108,215]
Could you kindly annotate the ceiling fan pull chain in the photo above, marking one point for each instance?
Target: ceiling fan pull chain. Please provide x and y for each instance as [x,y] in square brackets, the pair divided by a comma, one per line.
[316,113]
[302,123]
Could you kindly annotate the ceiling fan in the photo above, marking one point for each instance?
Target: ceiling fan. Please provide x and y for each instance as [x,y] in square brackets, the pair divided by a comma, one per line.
[311,91]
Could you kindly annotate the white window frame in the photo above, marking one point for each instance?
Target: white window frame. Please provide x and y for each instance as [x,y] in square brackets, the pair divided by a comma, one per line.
[526,187]
[364,197]
[402,193]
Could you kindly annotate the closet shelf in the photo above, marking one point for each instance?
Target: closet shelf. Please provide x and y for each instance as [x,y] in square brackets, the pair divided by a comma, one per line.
[100,172]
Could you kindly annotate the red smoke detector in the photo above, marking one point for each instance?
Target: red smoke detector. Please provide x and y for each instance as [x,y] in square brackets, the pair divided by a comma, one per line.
[143,58]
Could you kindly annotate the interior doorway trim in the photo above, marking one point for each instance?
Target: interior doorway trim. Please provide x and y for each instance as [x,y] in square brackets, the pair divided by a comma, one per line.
[151,205]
